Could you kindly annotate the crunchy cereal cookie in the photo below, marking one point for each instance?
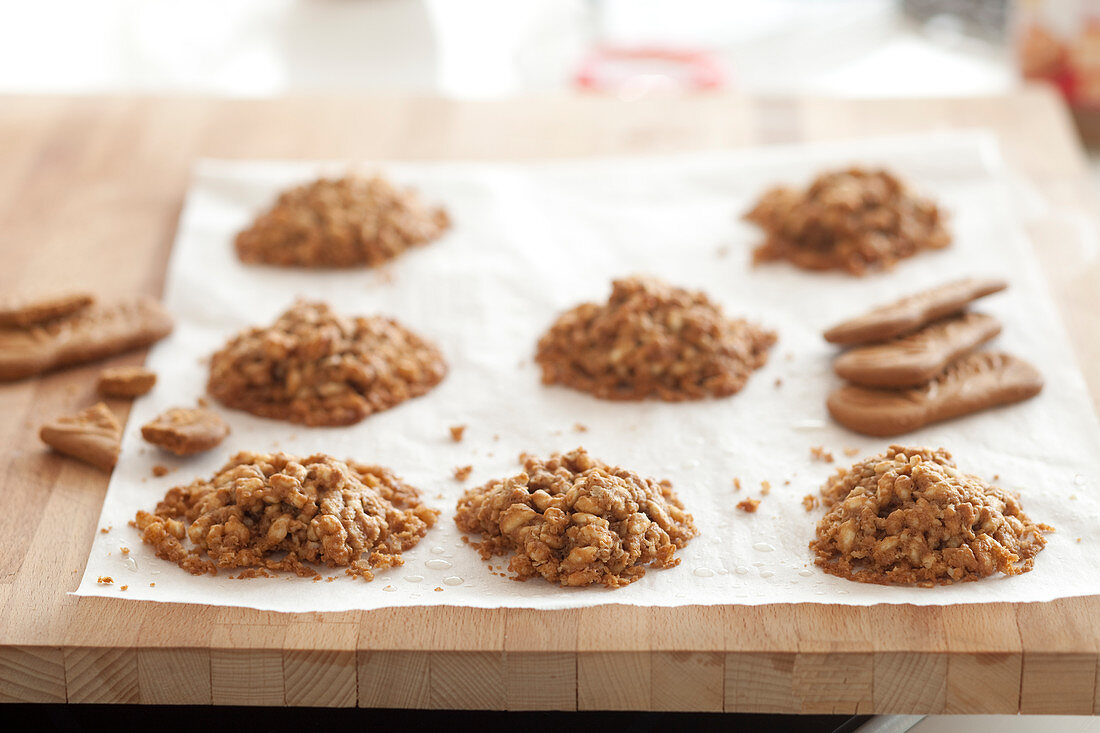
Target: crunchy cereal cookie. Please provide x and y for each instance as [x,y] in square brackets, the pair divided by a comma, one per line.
[186,431]
[577,521]
[314,367]
[652,340]
[347,222]
[855,220]
[93,435]
[909,516]
[126,382]
[265,512]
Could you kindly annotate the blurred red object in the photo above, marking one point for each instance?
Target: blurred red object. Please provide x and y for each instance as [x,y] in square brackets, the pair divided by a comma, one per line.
[634,71]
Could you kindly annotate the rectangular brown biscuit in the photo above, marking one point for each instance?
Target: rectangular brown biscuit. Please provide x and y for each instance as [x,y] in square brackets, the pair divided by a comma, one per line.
[976,382]
[917,357]
[912,312]
[94,333]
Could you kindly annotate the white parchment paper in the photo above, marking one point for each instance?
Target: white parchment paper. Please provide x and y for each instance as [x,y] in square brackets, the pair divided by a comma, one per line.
[531,240]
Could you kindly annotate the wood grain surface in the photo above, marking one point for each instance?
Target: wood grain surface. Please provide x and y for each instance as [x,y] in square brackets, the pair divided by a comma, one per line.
[90,192]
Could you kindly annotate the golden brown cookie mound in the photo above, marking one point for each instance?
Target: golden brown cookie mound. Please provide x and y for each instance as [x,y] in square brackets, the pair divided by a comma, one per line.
[346,222]
[576,521]
[279,512]
[314,367]
[855,220]
[909,516]
[652,340]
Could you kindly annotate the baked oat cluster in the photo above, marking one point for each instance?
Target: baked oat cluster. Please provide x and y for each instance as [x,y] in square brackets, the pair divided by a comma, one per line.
[345,222]
[276,512]
[909,516]
[856,220]
[315,367]
[652,340]
[576,521]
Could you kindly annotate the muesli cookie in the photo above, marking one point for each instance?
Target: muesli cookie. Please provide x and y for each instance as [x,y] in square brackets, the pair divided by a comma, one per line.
[276,512]
[93,436]
[126,382]
[186,431]
[27,312]
[345,222]
[576,521]
[315,367]
[974,383]
[652,340]
[909,516]
[913,311]
[854,220]
[90,334]
[917,357]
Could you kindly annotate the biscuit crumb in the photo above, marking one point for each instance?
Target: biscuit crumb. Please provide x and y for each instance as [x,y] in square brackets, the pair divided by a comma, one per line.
[437,588]
[736,484]
[778,382]
[851,452]
[765,488]
[105,579]
[809,502]
[160,470]
[152,585]
[124,587]
[104,530]
[463,472]
[580,428]
[818,453]
[748,505]
[457,432]
[124,550]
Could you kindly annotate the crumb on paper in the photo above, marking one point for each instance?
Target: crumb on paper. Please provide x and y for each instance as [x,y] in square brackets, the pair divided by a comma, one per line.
[457,432]
[152,585]
[496,436]
[105,579]
[580,428]
[851,452]
[124,550]
[765,488]
[736,484]
[124,587]
[160,470]
[104,530]
[748,505]
[463,472]
[818,453]
[778,382]
[437,588]
[809,502]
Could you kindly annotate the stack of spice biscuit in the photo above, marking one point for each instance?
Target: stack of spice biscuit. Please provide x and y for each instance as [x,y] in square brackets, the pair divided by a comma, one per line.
[916,362]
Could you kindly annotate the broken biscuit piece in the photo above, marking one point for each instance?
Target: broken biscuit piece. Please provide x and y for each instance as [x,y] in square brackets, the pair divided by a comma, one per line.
[576,521]
[93,436]
[279,512]
[909,516]
[25,313]
[652,340]
[93,333]
[186,430]
[126,382]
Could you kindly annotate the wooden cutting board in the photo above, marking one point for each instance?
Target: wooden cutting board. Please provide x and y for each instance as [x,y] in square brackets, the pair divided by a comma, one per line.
[90,191]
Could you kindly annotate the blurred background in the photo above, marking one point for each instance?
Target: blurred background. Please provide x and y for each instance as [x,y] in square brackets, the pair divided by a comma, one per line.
[473,49]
